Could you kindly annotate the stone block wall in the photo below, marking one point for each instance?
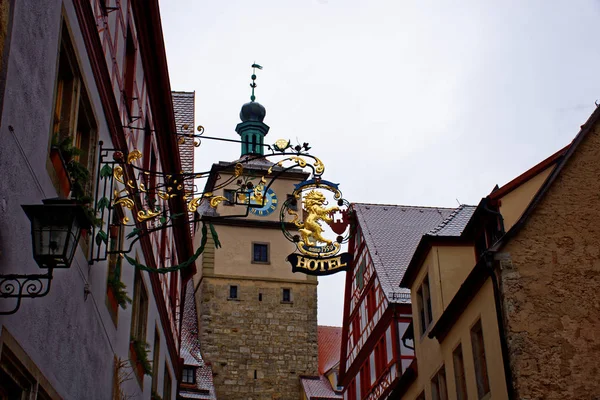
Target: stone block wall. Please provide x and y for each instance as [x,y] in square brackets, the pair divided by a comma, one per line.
[258,348]
[550,283]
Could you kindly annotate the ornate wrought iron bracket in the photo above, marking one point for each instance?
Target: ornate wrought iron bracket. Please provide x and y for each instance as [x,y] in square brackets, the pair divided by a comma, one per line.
[21,286]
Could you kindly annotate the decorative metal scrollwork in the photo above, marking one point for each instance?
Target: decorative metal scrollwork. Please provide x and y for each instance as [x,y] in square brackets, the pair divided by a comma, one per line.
[21,286]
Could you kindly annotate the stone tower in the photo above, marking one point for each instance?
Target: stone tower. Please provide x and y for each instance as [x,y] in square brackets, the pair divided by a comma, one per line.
[257,319]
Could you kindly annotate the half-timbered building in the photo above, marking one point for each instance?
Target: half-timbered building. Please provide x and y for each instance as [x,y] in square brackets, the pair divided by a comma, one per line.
[377,311]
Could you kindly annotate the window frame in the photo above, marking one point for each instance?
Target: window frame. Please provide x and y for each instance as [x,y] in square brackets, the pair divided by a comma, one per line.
[460,381]
[424,306]
[191,369]
[289,291]
[230,195]
[482,379]
[439,384]
[167,384]
[139,313]
[72,108]
[360,274]
[267,253]
[237,292]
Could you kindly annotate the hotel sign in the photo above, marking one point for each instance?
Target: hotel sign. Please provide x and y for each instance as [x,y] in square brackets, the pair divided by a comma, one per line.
[322,229]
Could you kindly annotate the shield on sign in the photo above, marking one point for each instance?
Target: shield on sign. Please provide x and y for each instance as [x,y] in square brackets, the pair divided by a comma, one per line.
[339,221]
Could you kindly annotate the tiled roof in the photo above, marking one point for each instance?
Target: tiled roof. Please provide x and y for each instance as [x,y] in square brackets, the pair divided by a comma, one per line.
[318,388]
[183,106]
[392,233]
[455,223]
[329,339]
[190,350]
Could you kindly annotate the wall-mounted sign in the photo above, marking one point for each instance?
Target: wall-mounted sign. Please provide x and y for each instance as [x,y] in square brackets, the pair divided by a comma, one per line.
[319,266]
[321,228]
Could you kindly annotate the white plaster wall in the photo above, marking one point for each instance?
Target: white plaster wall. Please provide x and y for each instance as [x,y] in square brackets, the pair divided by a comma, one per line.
[71,340]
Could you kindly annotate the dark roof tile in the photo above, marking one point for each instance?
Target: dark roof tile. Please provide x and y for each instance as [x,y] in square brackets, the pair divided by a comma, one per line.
[392,233]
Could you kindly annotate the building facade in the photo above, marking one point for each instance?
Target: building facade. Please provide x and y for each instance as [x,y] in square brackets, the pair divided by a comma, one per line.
[377,312]
[77,77]
[503,293]
[257,319]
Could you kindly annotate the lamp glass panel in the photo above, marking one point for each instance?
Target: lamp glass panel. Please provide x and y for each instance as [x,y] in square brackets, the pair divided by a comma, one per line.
[55,237]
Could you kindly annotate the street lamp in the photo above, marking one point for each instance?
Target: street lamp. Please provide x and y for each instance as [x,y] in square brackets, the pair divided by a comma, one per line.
[55,231]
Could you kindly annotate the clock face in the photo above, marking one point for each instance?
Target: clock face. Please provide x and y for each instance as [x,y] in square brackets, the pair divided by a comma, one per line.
[270,204]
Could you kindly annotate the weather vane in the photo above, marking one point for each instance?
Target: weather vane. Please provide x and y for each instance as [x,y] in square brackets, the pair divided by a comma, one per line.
[253,84]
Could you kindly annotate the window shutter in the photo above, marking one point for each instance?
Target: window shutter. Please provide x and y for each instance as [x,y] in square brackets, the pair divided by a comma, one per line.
[388,344]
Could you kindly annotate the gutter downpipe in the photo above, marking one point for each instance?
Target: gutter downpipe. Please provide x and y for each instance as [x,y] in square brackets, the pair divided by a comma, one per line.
[500,318]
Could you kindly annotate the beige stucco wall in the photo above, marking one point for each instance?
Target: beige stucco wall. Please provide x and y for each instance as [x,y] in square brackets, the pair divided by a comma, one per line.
[515,202]
[455,262]
[550,286]
[235,255]
[431,355]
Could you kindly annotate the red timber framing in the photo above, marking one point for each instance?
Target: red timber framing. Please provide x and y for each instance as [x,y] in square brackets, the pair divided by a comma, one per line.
[371,356]
[133,104]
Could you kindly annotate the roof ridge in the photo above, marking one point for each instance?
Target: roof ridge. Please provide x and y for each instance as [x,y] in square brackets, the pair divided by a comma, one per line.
[402,205]
[448,219]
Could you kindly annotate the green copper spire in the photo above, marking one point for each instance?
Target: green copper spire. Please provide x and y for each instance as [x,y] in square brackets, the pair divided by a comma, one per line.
[253,84]
[252,129]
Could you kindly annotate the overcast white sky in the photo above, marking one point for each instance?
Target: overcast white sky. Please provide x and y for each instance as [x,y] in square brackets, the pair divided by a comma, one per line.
[406,102]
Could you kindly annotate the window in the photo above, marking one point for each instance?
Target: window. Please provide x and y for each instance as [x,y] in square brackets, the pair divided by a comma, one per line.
[424,305]
[233,292]
[292,202]
[155,358]
[260,253]
[372,369]
[438,385]
[73,124]
[356,329]
[371,303]
[360,275]
[260,297]
[139,318]
[483,383]
[380,357]
[167,384]
[129,73]
[230,195]
[173,285]
[114,294]
[19,376]
[287,295]
[459,373]
[188,374]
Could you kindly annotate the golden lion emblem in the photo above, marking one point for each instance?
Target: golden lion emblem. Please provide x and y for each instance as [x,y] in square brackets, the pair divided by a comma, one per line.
[311,228]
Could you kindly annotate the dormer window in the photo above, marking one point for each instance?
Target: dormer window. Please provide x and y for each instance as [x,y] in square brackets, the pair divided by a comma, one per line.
[188,375]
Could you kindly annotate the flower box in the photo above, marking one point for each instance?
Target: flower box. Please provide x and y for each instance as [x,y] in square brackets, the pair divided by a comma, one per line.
[64,180]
